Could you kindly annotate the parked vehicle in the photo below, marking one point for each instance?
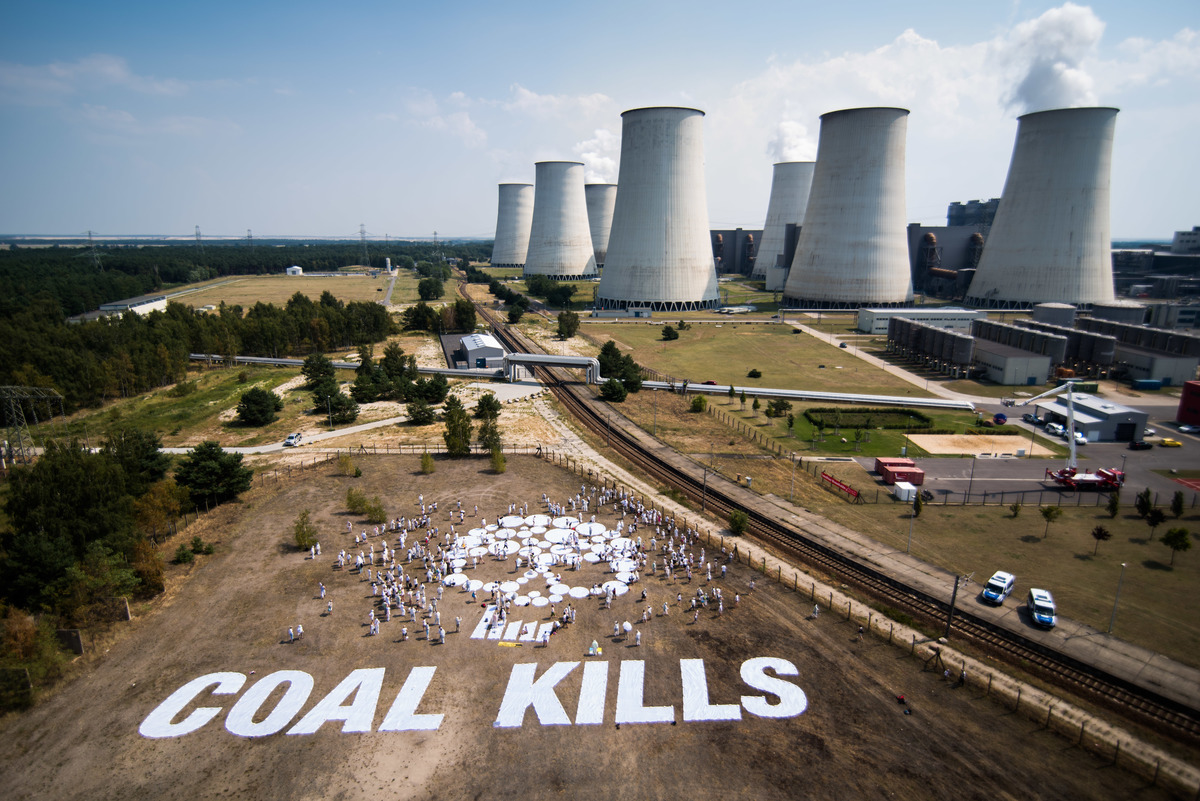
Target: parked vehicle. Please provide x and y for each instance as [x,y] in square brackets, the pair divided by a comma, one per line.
[1054,429]
[999,587]
[1187,429]
[1139,445]
[1032,419]
[1170,443]
[293,440]
[1041,608]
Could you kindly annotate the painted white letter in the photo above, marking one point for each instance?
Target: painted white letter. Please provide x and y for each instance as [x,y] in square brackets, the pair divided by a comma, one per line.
[365,684]
[792,700]
[695,695]
[630,693]
[524,692]
[240,720]
[158,723]
[403,714]
[591,694]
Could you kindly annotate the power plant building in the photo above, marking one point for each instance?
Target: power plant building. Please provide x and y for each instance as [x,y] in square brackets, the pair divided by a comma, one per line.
[513,220]
[560,239]
[852,250]
[1050,241]
[659,253]
[601,200]
[791,182]
[875,321]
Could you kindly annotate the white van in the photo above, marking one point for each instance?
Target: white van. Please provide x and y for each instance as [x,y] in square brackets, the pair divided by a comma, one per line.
[1054,429]
[1041,608]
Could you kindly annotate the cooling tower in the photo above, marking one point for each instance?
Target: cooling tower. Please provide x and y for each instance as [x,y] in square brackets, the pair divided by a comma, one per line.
[560,242]
[659,255]
[790,184]
[601,199]
[853,248]
[512,225]
[1050,239]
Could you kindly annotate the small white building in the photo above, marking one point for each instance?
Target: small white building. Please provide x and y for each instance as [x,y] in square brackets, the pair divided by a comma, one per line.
[875,321]
[294,270]
[482,351]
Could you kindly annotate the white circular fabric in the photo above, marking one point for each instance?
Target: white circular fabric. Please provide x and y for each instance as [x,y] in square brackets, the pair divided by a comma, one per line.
[566,522]
[554,599]
[505,533]
[622,542]
[510,586]
[521,600]
[491,527]
[579,592]
[491,585]
[512,521]
[503,547]
[557,535]
[597,590]
[456,579]
[478,550]
[591,557]
[544,559]
[522,580]
[599,539]
[625,577]
[458,564]
[526,550]
[529,574]
[616,587]
[540,601]
[474,584]
[560,589]
[476,532]
[590,529]
[537,530]
[561,550]
[624,565]
[538,520]
[533,593]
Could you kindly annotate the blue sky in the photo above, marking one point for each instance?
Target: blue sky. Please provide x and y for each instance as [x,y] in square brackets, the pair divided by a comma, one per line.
[310,119]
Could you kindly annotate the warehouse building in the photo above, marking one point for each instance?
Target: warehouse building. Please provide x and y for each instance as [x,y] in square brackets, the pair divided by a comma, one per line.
[1097,419]
[482,351]
[875,321]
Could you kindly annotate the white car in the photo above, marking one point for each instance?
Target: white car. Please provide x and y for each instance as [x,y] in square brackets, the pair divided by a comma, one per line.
[293,440]
[999,587]
[1054,429]
[1080,439]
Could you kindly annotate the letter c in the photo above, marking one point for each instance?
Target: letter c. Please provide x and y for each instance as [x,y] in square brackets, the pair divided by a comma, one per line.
[158,723]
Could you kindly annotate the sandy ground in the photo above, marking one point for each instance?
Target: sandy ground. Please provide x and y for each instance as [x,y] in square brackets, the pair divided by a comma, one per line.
[961,443]
[230,612]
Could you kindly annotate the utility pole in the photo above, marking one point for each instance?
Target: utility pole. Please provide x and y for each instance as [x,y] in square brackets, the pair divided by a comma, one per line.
[362,235]
[953,598]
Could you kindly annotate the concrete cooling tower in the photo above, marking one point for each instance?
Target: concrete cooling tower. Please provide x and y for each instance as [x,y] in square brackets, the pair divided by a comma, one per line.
[790,185]
[601,199]
[560,242]
[1050,241]
[513,219]
[659,255]
[853,248]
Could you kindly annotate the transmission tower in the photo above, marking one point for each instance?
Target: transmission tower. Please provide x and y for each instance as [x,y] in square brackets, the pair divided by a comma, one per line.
[437,248]
[249,239]
[20,446]
[95,254]
[362,234]
[199,241]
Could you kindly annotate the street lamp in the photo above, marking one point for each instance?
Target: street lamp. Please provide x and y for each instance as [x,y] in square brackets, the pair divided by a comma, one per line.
[1112,620]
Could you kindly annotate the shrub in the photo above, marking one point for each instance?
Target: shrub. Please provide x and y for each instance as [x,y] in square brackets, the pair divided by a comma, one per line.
[1015,508]
[613,391]
[427,465]
[184,555]
[669,333]
[738,522]
[356,501]
[499,463]
[345,465]
[304,531]
[699,403]
[374,511]
[754,374]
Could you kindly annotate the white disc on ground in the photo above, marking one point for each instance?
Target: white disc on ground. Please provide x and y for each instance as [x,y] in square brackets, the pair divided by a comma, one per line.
[491,527]
[505,533]
[622,542]
[478,550]
[537,530]
[597,590]
[537,520]
[491,585]
[616,587]
[565,522]
[590,529]
[477,532]
[510,586]
[544,558]
[456,579]
[458,564]
[561,550]
[555,599]
[591,557]
[529,552]
[560,589]
[521,600]
[625,577]
[540,601]
[556,535]
[531,574]
[599,539]
[533,593]
[512,521]
[474,584]
[503,547]
[522,580]
[579,592]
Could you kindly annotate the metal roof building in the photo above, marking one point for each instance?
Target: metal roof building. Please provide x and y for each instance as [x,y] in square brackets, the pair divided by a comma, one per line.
[1050,241]
[601,199]
[659,253]
[853,248]
[560,241]
[513,220]
[791,182]
[482,350]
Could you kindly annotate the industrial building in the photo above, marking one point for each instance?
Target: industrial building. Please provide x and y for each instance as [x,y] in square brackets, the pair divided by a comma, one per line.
[514,216]
[294,270]
[1155,354]
[1050,240]
[980,213]
[791,183]
[1097,419]
[142,304]
[482,351]
[1173,315]
[939,349]
[560,239]
[734,249]
[852,250]
[1060,314]
[1189,404]
[659,253]
[1186,241]
[875,321]
[601,200]
[1087,353]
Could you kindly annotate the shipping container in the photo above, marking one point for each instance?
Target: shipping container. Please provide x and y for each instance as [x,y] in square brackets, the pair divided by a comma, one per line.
[894,473]
[895,461]
[1147,383]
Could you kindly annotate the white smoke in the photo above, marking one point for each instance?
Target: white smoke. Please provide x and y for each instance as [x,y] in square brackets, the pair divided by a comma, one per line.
[791,142]
[599,156]
[1046,57]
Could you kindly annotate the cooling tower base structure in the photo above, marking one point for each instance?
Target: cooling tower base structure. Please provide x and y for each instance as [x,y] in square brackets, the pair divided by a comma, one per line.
[659,255]
[852,250]
[1050,241]
[513,220]
[833,305]
[560,242]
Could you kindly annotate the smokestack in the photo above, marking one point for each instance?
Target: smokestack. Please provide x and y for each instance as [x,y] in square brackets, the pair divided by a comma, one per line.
[513,220]
[790,185]
[560,243]
[1050,241]
[601,199]
[659,253]
[853,247]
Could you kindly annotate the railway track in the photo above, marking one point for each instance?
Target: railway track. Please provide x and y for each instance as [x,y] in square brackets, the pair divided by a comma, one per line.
[680,473]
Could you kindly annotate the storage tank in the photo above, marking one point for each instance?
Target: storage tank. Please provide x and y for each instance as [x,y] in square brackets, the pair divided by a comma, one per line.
[1050,240]
[659,253]
[1120,311]
[513,219]
[601,199]
[1054,314]
[853,248]
[560,241]
[790,185]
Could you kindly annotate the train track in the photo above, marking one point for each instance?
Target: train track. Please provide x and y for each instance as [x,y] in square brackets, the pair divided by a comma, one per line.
[673,470]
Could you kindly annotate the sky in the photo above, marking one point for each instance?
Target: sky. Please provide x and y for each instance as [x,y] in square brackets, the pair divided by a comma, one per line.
[313,118]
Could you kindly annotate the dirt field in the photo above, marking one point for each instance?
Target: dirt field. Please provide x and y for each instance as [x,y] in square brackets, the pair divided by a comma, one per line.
[852,739]
[941,444]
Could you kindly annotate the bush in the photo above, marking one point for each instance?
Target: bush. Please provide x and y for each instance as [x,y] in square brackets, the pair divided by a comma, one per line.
[420,413]
[699,403]
[356,501]
[738,522]
[345,465]
[613,391]
[499,463]
[754,374]
[669,334]
[184,555]
[427,465]
[304,531]
[374,511]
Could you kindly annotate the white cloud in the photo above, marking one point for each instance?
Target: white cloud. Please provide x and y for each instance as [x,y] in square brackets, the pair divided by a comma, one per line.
[105,120]
[34,84]
[528,102]
[600,155]
[792,142]
[1046,59]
